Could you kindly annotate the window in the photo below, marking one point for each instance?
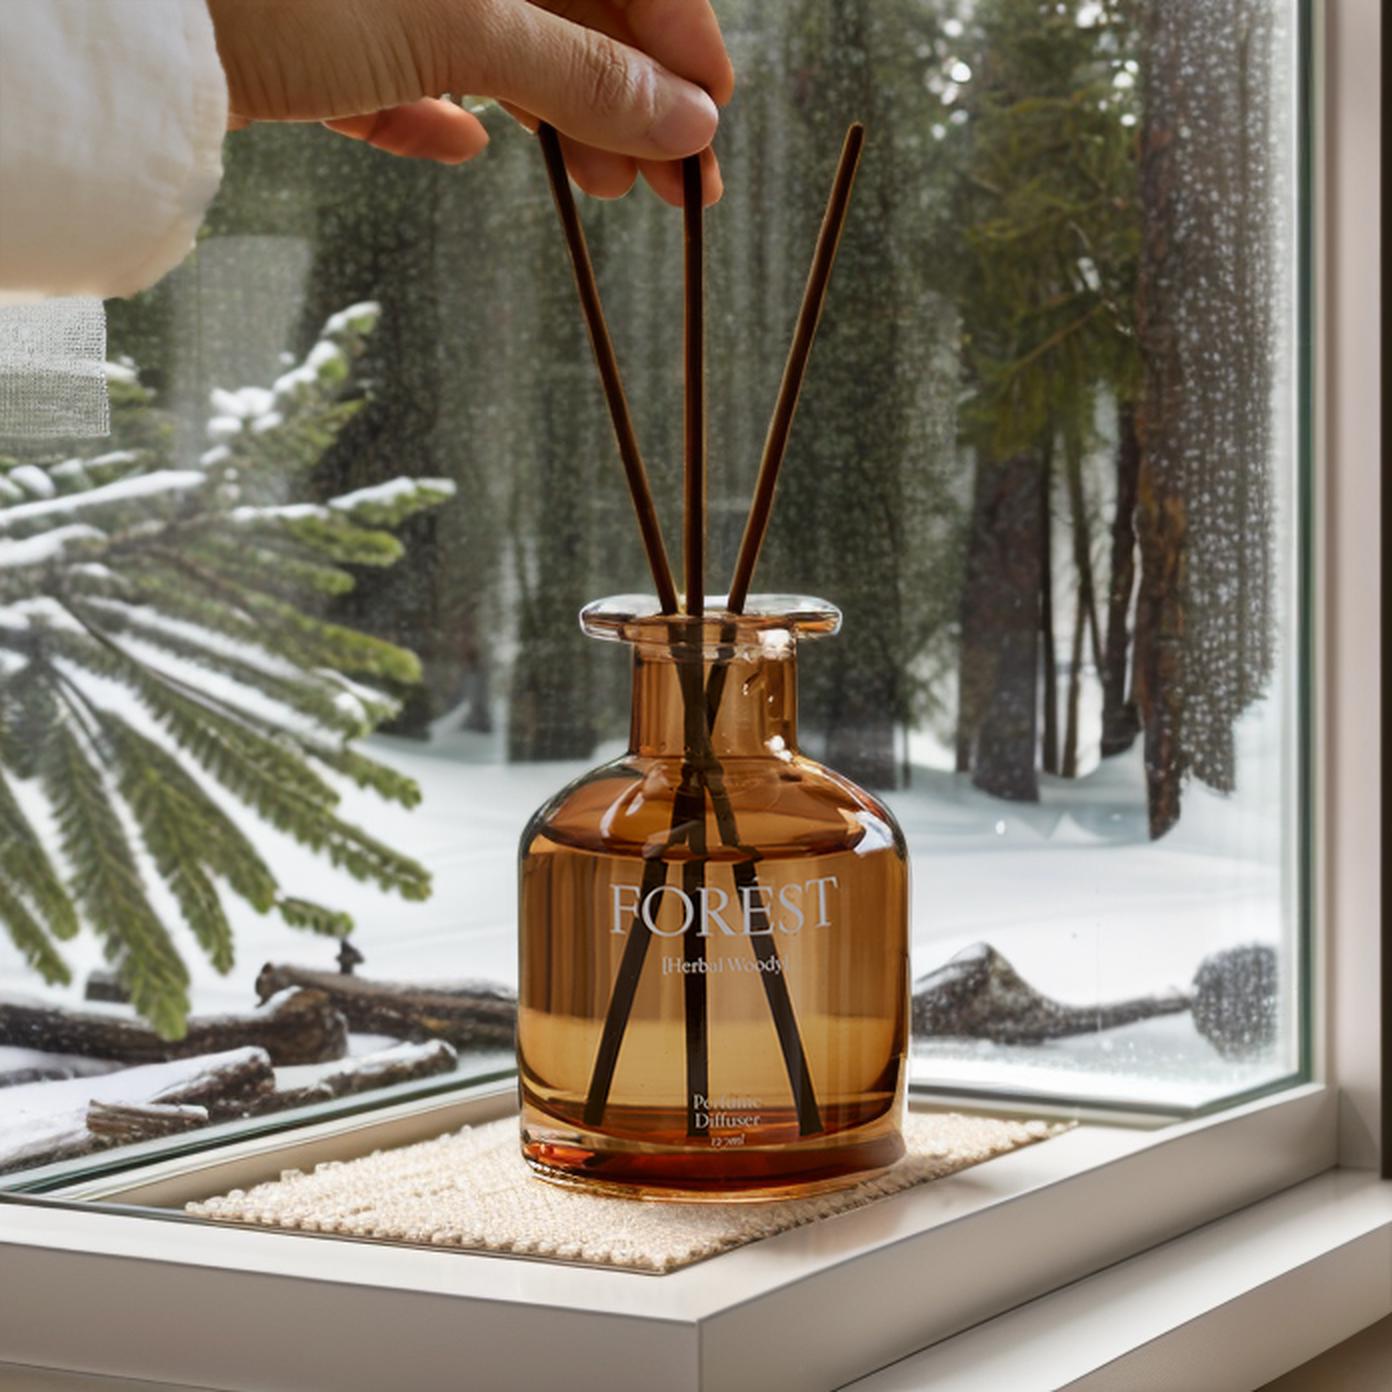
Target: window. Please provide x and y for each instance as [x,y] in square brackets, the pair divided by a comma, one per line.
[1050,462]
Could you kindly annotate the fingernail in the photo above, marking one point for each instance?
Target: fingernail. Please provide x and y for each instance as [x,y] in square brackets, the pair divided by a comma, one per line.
[687,124]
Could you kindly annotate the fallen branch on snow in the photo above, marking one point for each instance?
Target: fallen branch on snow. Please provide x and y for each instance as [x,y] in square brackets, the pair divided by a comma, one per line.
[470,1015]
[292,1026]
[122,1123]
[220,1088]
[979,995]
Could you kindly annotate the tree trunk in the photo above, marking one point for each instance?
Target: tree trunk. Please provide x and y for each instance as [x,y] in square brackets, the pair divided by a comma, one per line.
[1161,509]
[1082,552]
[472,1015]
[1000,628]
[1085,618]
[1120,723]
[296,1027]
[1046,612]
[1160,656]
[860,740]
[1075,692]
[1161,514]
[1207,299]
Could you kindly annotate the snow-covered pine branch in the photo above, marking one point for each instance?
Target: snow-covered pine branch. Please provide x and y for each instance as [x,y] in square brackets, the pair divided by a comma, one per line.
[163,645]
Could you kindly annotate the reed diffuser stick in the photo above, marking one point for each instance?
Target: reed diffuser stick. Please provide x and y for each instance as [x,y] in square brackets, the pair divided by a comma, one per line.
[813,300]
[761,509]
[638,487]
[694,562]
[695,374]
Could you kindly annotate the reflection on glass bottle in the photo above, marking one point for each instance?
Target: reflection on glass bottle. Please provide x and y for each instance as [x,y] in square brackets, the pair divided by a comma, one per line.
[714,935]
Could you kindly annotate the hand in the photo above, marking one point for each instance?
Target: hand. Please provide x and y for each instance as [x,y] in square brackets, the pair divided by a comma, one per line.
[624,81]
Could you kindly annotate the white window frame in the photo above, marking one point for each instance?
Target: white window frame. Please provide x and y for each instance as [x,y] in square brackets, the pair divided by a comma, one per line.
[186,1304]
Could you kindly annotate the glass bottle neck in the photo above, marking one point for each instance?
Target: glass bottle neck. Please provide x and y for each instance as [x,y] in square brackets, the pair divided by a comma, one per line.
[753,697]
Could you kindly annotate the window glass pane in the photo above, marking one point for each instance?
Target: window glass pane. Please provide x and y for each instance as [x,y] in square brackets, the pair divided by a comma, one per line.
[1048,461]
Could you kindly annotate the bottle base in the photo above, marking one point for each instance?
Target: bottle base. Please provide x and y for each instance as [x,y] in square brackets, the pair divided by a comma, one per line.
[599,1164]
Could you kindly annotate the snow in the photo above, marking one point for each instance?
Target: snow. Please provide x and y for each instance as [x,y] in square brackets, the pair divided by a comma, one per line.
[94,570]
[1070,890]
[384,494]
[33,480]
[147,1082]
[127,490]
[325,358]
[288,384]
[286,512]
[72,471]
[245,403]
[208,639]
[223,427]
[13,1059]
[47,547]
[43,611]
[360,317]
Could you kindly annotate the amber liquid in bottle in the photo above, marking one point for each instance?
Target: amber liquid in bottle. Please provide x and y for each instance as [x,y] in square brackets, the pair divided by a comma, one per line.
[714,937]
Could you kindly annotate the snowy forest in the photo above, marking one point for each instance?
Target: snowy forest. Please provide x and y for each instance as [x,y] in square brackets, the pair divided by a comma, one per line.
[1035,449]
[1021,464]
[1039,462]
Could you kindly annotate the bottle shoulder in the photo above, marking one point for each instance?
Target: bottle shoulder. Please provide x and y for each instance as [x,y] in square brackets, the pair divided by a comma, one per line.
[784,807]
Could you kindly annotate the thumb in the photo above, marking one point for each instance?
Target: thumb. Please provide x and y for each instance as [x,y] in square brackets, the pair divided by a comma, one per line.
[597,90]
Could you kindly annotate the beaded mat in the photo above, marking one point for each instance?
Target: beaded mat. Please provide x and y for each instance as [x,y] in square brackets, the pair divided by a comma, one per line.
[470,1190]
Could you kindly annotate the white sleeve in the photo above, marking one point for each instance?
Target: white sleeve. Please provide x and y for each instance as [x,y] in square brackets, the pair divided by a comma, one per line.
[112,115]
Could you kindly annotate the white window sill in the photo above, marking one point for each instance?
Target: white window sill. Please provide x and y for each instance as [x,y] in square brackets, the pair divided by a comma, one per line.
[190,1304]
[1233,1305]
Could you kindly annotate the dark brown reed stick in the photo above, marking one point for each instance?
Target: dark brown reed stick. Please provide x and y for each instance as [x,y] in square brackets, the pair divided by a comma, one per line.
[694,1000]
[695,365]
[694,562]
[813,300]
[688,809]
[638,487]
[761,509]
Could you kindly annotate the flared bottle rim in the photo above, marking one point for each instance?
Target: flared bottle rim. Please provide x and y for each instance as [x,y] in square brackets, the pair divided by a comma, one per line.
[777,618]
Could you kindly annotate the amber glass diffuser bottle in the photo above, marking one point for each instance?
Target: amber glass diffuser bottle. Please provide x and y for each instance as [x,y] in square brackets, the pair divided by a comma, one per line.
[714,934]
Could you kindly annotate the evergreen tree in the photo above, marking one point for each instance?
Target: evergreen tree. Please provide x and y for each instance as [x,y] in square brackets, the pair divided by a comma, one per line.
[159,633]
[866,515]
[1041,132]
[423,240]
[1208,296]
[554,497]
